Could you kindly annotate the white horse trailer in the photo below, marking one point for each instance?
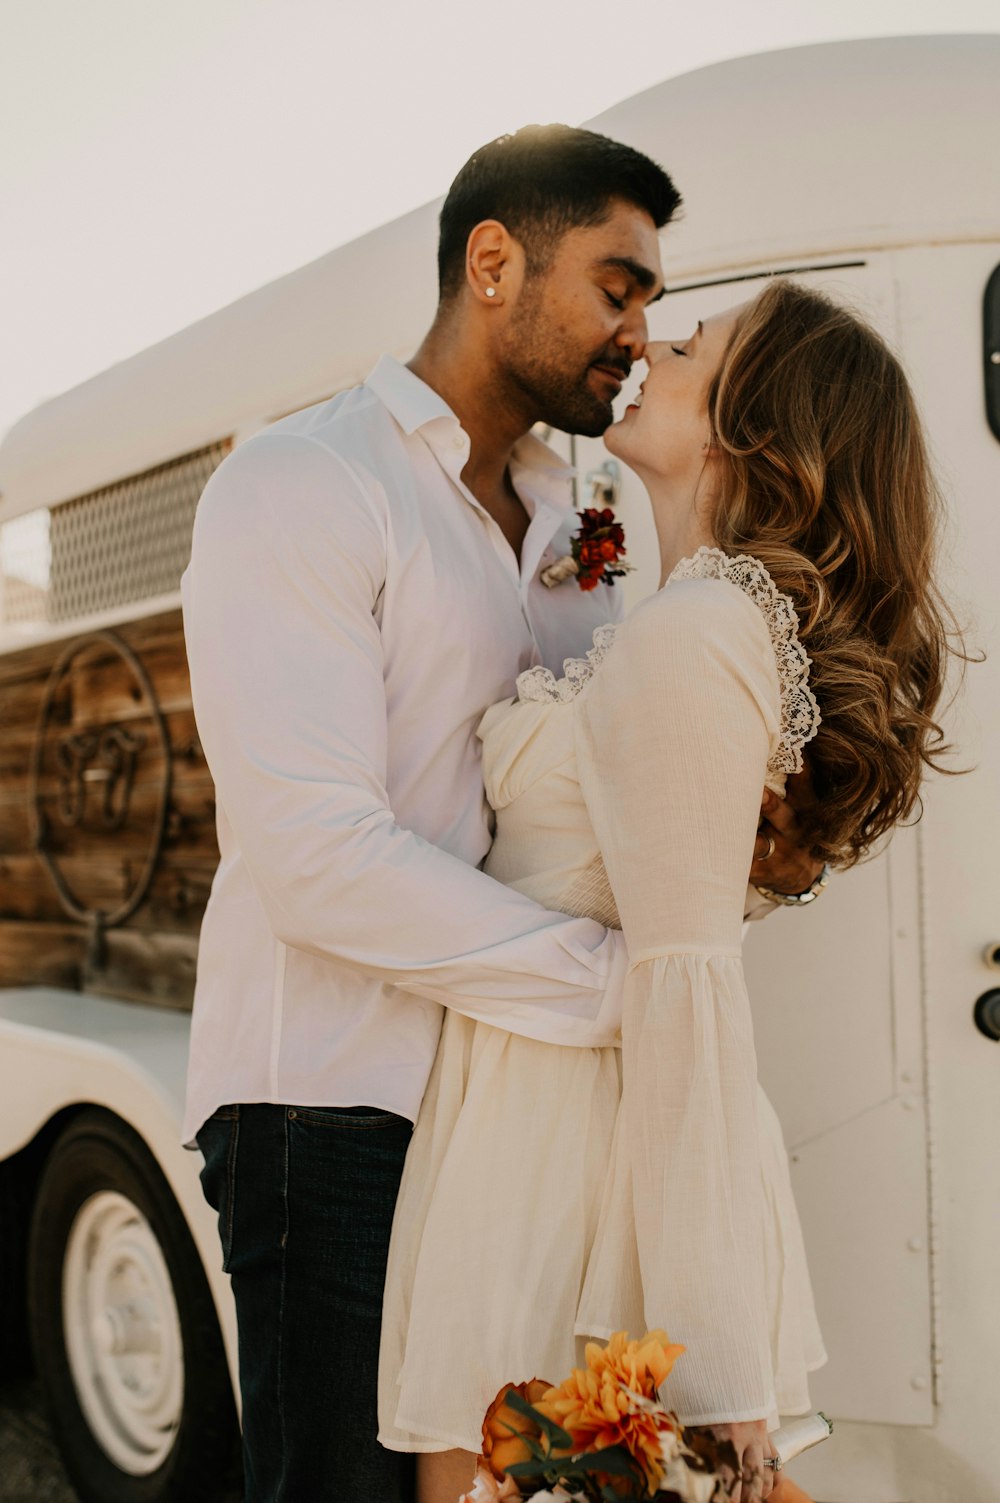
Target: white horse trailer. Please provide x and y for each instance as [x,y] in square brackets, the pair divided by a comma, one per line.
[871,169]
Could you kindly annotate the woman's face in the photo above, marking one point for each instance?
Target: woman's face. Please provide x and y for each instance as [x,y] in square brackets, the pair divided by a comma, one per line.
[666,432]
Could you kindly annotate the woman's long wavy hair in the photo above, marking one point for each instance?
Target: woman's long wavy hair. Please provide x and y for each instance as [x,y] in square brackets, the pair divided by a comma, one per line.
[826,480]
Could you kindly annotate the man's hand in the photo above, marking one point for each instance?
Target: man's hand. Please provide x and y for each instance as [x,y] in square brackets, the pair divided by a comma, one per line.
[789,867]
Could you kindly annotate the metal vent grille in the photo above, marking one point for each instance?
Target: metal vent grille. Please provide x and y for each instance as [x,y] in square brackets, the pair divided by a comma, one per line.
[127,542]
[24,569]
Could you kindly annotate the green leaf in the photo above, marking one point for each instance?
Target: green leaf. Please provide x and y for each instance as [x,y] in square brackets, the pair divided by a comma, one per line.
[530,1441]
[616,1461]
[555,1434]
[548,1468]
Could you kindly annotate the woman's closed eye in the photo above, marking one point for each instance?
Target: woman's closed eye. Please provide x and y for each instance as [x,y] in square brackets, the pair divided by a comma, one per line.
[678,350]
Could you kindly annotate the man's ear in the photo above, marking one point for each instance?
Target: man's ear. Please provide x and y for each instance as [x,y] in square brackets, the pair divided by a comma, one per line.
[493,263]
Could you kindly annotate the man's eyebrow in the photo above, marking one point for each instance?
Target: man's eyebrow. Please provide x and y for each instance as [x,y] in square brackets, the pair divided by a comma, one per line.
[640,274]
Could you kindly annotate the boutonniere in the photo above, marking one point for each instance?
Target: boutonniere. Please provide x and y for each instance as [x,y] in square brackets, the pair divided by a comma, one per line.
[596,552]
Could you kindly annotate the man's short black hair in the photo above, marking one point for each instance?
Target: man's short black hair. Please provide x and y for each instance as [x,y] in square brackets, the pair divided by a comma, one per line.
[540,182]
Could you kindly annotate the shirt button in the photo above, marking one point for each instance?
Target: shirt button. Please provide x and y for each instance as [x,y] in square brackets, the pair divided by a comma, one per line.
[459,441]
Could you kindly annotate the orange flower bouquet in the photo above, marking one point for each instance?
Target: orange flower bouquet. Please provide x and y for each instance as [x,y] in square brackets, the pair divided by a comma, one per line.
[600,1435]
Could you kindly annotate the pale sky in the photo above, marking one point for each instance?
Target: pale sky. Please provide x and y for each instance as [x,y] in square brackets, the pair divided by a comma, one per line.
[159,158]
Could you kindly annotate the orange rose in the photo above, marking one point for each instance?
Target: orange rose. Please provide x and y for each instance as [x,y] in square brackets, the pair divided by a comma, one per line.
[501,1448]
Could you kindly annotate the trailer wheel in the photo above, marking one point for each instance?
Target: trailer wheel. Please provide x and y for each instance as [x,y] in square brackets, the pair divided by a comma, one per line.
[15,1358]
[123,1327]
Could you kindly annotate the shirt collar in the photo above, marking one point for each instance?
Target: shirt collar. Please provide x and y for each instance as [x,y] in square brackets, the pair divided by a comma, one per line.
[415,405]
[539,471]
[411,401]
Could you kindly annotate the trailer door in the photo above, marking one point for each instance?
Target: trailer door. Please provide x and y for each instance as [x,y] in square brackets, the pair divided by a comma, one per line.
[837,1003]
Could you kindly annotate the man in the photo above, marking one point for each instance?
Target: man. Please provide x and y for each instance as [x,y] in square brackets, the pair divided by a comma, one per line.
[364,582]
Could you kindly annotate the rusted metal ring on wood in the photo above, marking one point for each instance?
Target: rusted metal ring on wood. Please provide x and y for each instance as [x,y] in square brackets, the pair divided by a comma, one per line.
[119,741]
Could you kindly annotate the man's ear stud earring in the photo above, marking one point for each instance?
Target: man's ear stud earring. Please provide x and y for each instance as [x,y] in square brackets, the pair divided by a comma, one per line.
[491,292]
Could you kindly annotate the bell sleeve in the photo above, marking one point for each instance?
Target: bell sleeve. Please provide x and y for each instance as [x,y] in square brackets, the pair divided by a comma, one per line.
[673,737]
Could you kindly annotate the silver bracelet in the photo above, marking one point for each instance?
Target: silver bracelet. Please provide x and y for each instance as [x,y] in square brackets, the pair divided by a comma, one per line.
[797,899]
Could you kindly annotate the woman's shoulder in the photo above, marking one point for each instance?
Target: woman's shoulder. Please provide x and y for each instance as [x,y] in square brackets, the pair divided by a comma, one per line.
[712,592]
[700,603]
[719,611]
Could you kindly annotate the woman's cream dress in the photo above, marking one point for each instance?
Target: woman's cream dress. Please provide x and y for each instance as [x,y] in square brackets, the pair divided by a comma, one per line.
[552,1193]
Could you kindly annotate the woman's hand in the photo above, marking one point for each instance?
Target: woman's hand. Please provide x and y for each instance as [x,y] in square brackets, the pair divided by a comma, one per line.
[751,1443]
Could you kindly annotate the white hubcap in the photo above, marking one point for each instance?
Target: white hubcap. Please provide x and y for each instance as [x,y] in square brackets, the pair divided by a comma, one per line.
[123,1335]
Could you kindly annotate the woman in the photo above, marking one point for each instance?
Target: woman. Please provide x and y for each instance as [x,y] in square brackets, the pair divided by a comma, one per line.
[553,1193]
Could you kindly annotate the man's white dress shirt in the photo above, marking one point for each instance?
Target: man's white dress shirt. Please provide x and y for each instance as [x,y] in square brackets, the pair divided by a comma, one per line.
[350,612]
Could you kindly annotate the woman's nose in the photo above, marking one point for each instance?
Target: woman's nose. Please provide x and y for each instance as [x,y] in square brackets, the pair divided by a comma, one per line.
[655,350]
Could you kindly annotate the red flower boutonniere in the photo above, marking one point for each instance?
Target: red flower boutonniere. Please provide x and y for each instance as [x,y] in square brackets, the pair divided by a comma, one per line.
[596,552]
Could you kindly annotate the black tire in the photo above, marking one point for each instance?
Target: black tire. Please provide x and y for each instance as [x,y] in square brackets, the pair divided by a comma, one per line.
[15,1352]
[99,1152]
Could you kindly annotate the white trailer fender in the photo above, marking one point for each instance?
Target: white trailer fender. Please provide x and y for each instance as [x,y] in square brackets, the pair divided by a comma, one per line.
[62,1049]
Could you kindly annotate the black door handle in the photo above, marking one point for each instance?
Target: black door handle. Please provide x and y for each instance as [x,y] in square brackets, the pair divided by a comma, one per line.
[987,1014]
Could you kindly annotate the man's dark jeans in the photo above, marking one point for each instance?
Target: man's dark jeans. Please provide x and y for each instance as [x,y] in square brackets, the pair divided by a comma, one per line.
[305,1197]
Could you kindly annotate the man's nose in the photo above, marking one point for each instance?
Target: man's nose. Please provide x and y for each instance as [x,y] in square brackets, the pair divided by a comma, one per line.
[633,336]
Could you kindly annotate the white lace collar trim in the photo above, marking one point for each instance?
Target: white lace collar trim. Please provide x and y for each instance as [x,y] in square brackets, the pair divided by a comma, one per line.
[540,683]
[800,717]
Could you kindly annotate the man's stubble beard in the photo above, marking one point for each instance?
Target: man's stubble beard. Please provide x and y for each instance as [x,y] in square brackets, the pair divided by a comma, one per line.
[551,373]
